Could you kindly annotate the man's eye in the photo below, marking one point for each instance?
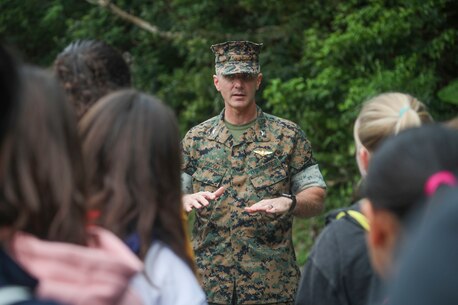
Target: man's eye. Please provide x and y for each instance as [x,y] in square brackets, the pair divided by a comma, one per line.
[241,76]
[247,76]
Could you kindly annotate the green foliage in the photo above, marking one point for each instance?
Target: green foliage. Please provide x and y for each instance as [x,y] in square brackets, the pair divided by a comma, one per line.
[320,61]
[449,94]
[358,52]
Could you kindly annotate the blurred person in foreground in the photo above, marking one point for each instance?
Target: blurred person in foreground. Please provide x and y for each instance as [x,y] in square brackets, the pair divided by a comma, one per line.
[423,159]
[338,270]
[44,235]
[131,148]
[428,267]
[16,285]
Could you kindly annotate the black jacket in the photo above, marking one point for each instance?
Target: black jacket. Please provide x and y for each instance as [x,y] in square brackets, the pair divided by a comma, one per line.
[338,270]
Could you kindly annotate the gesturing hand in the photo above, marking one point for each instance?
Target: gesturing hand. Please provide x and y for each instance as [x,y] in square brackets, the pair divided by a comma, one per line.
[200,199]
[276,205]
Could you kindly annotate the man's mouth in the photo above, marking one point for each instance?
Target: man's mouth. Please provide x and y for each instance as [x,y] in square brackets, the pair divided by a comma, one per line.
[238,94]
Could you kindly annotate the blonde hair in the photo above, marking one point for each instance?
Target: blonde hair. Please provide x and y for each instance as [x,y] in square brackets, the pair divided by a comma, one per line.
[385,115]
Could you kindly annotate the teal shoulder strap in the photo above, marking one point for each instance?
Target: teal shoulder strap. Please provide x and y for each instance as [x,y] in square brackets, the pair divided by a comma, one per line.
[14,294]
[357,216]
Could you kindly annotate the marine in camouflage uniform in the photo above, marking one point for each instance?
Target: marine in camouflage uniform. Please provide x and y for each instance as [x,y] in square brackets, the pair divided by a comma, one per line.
[242,257]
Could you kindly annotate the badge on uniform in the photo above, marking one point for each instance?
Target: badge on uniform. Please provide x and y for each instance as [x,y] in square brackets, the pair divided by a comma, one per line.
[262,152]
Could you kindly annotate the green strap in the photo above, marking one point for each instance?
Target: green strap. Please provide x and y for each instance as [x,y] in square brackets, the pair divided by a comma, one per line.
[14,294]
[358,216]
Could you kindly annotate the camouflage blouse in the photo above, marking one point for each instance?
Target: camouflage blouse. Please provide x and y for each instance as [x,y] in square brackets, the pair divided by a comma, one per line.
[247,256]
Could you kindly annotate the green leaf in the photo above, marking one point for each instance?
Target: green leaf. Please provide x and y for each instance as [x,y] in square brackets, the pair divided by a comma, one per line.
[449,93]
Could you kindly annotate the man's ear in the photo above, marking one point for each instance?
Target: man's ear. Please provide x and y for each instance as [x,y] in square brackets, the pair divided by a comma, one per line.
[216,82]
[258,80]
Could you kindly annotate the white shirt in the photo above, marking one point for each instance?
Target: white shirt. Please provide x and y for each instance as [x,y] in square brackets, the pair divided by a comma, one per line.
[168,279]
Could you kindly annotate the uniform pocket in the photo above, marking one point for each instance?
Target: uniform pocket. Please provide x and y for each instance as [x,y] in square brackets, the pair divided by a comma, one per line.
[267,175]
[269,181]
[208,177]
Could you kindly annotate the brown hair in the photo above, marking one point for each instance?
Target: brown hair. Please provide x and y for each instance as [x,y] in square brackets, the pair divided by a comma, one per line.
[131,146]
[386,115]
[9,88]
[88,70]
[41,180]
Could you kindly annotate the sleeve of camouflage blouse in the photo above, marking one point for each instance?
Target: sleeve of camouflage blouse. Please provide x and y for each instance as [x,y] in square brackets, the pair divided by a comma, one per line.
[186,183]
[305,171]
[187,167]
[310,176]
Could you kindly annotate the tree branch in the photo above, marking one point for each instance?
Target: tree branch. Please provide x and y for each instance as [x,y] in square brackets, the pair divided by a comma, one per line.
[106,4]
[263,33]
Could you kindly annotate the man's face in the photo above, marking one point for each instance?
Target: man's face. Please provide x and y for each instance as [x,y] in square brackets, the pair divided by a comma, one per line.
[238,90]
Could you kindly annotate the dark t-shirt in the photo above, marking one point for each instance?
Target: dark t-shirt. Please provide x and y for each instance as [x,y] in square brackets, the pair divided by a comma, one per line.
[338,270]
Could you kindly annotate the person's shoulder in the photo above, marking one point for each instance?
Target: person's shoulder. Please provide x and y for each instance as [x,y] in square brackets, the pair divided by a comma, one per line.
[203,128]
[340,231]
[326,240]
[335,237]
[160,259]
[167,271]
[347,219]
[337,227]
[272,119]
[286,127]
[333,214]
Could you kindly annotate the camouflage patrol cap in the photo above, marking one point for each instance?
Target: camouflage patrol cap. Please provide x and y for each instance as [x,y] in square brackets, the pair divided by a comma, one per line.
[233,57]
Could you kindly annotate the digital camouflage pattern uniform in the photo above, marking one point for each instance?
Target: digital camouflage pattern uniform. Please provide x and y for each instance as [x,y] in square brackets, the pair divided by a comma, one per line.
[247,255]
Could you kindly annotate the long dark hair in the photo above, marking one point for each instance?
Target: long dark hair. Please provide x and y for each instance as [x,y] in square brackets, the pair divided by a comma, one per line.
[88,70]
[400,168]
[41,178]
[131,146]
[9,88]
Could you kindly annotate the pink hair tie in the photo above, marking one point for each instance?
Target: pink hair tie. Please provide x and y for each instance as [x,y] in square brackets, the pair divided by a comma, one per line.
[438,179]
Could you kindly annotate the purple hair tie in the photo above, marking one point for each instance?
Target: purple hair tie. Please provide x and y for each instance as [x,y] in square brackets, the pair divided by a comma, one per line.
[438,179]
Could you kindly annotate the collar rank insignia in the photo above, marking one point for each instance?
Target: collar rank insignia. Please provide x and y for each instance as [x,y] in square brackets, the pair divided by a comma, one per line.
[262,152]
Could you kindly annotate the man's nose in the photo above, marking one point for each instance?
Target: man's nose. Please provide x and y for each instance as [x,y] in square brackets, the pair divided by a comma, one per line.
[237,82]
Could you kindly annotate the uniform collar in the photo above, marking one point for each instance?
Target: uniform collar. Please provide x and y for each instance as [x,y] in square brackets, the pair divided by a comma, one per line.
[256,133]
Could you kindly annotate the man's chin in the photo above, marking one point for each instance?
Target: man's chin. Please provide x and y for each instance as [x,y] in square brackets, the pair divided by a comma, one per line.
[239,104]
